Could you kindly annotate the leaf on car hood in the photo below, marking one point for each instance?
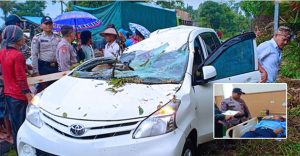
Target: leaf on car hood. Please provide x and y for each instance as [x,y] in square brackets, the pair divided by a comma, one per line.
[141,110]
[65,115]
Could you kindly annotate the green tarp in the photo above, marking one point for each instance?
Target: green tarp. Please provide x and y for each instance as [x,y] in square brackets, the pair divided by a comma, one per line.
[122,13]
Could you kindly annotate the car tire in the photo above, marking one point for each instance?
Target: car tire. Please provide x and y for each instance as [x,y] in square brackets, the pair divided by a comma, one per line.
[189,148]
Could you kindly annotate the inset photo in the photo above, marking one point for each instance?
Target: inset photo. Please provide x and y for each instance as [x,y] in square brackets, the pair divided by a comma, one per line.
[250,111]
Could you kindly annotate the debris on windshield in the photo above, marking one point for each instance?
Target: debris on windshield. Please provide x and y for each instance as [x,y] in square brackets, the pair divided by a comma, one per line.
[98,84]
[117,82]
[174,98]
[65,115]
[141,110]
[75,74]
[145,99]
[120,90]
[156,66]
[169,94]
[57,108]
[79,108]
[144,64]
[115,106]
[112,90]
[75,65]
[85,115]
[160,105]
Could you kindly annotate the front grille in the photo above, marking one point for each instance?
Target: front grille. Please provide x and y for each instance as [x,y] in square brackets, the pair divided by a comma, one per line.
[116,125]
[98,136]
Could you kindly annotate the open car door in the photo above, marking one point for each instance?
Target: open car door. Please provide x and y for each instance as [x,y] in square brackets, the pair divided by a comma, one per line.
[235,61]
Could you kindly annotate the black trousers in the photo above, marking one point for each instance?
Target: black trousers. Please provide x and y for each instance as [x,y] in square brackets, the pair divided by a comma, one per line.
[17,113]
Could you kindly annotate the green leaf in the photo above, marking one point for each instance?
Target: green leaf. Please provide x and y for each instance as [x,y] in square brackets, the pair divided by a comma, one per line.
[65,115]
[141,110]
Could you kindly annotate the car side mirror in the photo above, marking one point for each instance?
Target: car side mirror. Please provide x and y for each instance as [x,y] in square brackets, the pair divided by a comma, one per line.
[207,73]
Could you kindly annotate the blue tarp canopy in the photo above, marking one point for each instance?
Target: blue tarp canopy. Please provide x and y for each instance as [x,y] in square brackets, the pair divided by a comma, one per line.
[34,20]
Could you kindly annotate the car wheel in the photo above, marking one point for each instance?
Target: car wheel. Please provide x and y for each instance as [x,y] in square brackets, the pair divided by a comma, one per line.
[189,149]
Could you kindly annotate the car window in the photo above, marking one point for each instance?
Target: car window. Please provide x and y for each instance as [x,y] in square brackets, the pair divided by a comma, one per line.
[237,59]
[199,57]
[211,40]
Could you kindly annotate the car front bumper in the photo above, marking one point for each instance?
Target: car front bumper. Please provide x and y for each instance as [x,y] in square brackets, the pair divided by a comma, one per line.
[47,140]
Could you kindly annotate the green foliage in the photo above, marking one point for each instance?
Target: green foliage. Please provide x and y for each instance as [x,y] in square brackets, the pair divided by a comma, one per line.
[291,65]
[294,111]
[12,152]
[256,8]
[116,83]
[7,7]
[171,4]
[30,8]
[262,38]
[141,110]
[221,17]
[289,16]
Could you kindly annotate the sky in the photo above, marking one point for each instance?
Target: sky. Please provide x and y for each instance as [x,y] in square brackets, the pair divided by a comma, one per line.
[53,10]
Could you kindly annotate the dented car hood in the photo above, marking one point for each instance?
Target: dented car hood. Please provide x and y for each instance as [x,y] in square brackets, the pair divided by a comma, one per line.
[88,99]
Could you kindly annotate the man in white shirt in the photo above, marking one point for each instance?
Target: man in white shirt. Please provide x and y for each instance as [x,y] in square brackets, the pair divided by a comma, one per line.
[270,52]
[112,48]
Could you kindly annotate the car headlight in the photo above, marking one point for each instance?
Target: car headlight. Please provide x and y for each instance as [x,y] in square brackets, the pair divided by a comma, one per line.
[160,122]
[33,112]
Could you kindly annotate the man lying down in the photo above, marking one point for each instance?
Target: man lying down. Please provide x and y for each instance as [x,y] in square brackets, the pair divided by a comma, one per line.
[274,127]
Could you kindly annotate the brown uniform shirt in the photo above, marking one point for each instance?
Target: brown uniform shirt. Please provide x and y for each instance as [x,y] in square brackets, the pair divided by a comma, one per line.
[65,55]
[236,105]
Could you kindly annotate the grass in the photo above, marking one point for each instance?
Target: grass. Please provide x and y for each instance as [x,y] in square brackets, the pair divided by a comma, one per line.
[11,152]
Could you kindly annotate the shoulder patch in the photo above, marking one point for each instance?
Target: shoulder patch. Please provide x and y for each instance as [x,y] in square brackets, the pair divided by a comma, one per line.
[63,49]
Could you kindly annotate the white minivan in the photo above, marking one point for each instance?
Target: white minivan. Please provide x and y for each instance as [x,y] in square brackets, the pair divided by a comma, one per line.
[155,101]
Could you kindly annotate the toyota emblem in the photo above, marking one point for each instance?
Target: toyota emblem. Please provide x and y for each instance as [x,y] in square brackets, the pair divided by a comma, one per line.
[77,130]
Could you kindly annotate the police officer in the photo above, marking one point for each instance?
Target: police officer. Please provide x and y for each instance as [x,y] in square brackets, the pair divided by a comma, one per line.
[43,48]
[65,52]
[236,103]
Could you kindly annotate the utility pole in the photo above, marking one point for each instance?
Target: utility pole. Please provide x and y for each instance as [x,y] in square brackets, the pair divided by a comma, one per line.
[61,6]
[276,15]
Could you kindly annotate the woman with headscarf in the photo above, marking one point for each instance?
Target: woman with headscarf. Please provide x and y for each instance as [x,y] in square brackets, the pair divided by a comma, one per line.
[86,45]
[16,91]
[5,128]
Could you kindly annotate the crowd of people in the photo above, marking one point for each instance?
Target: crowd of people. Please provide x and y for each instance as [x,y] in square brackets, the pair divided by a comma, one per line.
[50,53]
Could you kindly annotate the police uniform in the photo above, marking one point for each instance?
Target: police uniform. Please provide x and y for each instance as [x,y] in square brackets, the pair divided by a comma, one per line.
[43,48]
[65,55]
[236,105]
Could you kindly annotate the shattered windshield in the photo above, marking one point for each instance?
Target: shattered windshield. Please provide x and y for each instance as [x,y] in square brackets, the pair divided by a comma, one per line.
[154,66]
